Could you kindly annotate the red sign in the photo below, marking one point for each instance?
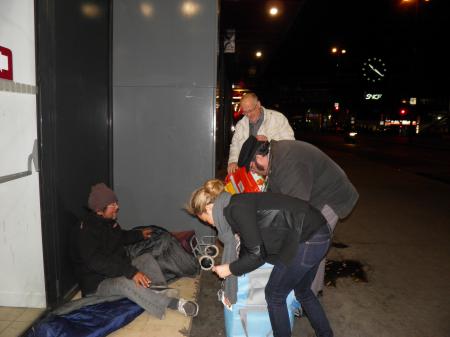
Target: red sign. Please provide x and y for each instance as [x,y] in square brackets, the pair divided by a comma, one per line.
[6,65]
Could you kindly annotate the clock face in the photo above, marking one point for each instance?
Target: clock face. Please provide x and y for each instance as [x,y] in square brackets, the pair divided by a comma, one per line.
[374,69]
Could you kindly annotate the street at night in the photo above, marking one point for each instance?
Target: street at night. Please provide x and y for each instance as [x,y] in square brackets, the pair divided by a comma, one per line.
[232,168]
[427,157]
[376,69]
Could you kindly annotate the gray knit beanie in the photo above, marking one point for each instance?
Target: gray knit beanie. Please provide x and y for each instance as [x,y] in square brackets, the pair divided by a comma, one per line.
[100,197]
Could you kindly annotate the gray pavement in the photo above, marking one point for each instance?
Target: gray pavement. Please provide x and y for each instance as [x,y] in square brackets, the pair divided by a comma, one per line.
[400,231]
[424,156]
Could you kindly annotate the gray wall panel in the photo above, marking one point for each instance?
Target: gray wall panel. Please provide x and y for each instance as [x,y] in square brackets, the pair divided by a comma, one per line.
[161,154]
[164,71]
[165,47]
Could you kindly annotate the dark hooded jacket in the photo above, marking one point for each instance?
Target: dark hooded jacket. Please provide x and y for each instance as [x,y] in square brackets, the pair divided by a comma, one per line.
[301,170]
[270,227]
[98,251]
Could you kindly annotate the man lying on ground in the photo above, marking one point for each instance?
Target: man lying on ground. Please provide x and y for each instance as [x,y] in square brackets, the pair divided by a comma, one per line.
[103,268]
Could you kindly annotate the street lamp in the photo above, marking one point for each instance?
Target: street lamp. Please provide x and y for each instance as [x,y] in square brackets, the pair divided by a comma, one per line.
[336,92]
[273,11]
[337,51]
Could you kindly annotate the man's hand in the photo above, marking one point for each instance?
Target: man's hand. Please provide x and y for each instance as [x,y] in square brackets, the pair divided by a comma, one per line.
[232,167]
[262,138]
[222,270]
[142,280]
[147,233]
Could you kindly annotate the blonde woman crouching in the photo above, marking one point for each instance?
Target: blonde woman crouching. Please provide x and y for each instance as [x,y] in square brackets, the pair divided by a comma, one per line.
[281,230]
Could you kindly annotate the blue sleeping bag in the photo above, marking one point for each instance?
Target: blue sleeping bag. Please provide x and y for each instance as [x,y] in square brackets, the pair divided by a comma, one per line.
[95,320]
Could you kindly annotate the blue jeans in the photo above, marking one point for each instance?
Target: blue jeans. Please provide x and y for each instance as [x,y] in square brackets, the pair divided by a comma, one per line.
[298,276]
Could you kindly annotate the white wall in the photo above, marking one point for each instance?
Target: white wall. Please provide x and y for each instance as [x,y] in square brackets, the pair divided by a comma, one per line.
[21,258]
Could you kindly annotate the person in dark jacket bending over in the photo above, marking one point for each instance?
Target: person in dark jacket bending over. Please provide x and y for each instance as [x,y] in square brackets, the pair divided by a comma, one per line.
[284,231]
[103,267]
[301,170]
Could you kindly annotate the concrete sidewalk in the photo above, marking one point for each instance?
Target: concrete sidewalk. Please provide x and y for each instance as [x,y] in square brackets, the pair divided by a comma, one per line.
[400,230]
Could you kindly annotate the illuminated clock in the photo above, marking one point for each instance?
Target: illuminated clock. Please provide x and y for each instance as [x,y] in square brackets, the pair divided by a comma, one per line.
[374,70]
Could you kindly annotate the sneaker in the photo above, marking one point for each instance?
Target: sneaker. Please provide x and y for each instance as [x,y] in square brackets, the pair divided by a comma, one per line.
[187,308]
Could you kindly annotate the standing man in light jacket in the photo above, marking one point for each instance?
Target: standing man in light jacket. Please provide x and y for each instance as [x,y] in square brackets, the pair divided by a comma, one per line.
[303,171]
[260,122]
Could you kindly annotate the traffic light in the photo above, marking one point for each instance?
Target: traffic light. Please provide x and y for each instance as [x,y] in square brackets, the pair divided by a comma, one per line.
[403,112]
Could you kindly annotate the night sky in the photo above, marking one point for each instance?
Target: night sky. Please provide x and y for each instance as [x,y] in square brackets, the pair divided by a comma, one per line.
[413,41]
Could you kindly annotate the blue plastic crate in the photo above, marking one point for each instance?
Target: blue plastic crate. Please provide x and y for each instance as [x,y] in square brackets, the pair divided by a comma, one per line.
[249,316]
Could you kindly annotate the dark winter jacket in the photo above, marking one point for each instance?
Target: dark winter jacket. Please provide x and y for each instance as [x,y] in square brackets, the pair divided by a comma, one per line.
[97,251]
[301,170]
[270,227]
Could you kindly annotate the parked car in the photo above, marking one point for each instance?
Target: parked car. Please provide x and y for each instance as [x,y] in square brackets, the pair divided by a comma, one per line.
[350,136]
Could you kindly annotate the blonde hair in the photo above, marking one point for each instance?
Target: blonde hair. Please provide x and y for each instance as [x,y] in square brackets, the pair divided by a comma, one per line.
[204,195]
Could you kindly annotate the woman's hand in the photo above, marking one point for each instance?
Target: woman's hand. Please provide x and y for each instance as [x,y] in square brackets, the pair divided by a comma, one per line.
[222,270]
[142,280]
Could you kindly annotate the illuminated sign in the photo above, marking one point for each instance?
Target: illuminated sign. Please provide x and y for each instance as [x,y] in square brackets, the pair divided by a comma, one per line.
[374,97]
[399,122]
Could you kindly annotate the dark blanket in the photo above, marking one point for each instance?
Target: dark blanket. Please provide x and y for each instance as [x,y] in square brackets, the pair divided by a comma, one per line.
[173,259]
[95,320]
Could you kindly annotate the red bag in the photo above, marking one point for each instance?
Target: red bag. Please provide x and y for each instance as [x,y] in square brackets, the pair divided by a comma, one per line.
[242,181]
